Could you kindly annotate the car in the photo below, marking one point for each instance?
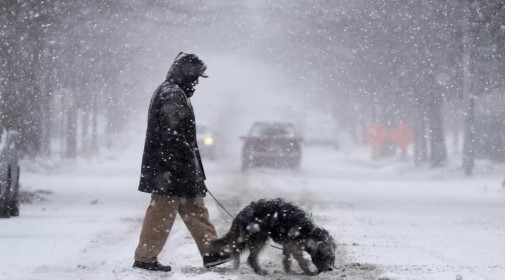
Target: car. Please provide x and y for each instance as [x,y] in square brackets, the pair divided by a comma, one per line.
[274,144]
[321,130]
[206,139]
[322,136]
[9,173]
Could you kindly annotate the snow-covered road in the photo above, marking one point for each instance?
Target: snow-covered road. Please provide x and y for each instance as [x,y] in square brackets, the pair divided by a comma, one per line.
[390,221]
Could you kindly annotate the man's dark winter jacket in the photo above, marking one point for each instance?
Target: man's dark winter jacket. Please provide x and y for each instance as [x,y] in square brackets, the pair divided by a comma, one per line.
[171,163]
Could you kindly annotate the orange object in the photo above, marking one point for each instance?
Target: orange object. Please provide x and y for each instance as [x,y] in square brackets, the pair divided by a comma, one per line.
[402,135]
[376,135]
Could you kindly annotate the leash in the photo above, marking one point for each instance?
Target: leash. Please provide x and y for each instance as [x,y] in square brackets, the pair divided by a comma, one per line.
[221,205]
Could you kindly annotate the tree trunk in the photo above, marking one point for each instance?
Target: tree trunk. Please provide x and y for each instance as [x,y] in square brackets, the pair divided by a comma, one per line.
[438,150]
[94,123]
[420,139]
[469,102]
[47,110]
[85,138]
[468,144]
[71,135]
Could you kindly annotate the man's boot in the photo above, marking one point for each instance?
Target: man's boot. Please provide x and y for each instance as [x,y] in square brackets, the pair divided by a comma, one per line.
[153,266]
[215,259]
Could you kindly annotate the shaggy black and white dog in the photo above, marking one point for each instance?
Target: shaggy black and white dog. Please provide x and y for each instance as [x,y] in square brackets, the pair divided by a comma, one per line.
[287,225]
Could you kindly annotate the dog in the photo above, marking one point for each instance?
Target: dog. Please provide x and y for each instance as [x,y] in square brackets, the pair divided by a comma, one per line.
[285,224]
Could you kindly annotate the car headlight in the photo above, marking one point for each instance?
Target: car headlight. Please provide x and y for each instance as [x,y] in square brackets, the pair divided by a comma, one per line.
[208,141]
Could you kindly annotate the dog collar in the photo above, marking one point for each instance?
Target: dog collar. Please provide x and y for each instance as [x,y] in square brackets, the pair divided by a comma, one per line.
[309,218]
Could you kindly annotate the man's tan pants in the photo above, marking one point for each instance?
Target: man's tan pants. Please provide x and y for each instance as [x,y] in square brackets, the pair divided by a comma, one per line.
[160,217]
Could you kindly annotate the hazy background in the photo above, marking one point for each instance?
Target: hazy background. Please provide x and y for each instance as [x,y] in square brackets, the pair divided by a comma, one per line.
[75,75]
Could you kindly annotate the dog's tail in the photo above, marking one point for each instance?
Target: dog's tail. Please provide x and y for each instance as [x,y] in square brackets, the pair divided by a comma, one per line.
[230,238]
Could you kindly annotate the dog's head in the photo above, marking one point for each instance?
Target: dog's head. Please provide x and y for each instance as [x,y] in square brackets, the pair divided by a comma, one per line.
[322,251]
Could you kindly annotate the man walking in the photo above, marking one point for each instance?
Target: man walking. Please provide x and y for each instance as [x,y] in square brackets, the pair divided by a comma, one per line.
[172,169]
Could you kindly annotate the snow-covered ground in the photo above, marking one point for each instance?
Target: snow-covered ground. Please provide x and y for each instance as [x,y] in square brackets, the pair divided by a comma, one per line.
[390,220]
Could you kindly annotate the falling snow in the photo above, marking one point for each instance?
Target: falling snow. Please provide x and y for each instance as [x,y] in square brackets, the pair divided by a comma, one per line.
[398,106]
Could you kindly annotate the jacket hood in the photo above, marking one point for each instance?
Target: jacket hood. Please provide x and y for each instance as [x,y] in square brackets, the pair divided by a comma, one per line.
[185,69]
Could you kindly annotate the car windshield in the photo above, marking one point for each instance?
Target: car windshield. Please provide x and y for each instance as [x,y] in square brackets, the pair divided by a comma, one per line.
[272,130]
